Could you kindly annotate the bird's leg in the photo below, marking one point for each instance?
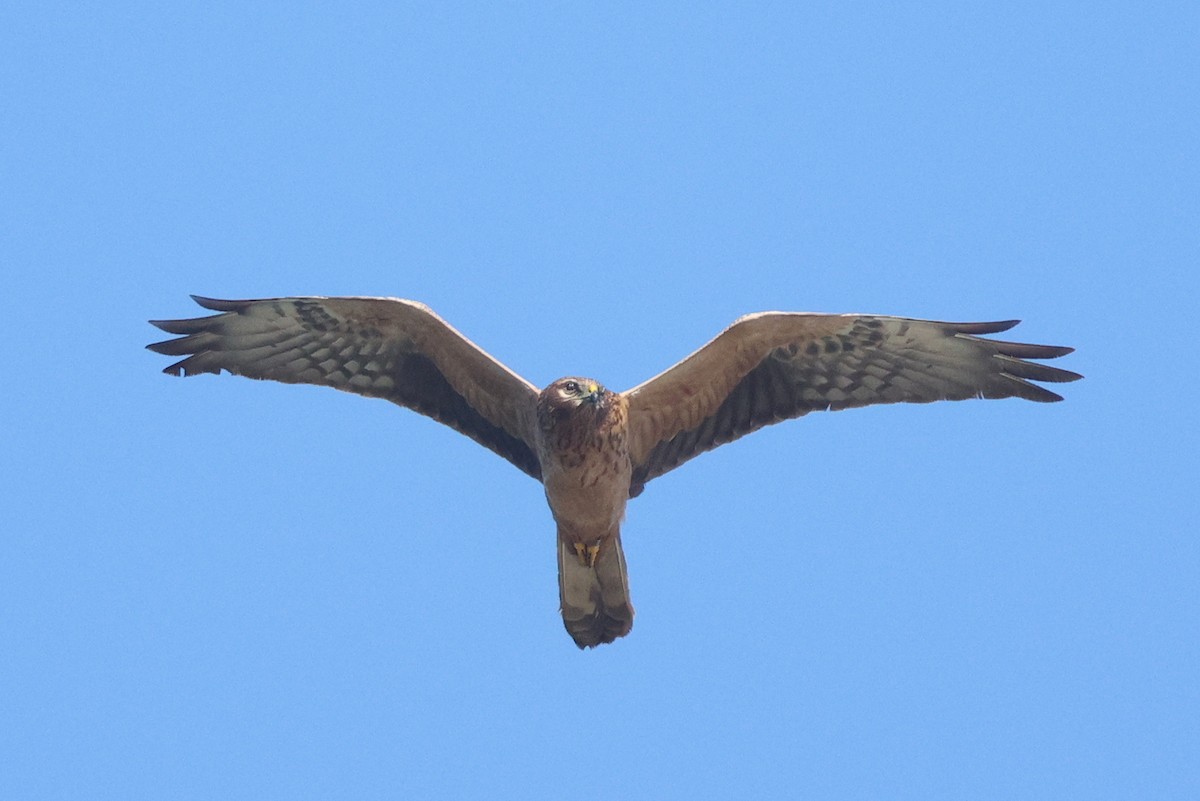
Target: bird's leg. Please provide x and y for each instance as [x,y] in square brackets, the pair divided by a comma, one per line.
[587,553]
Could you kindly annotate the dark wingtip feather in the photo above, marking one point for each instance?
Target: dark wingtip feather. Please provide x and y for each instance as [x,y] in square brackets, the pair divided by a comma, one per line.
[1036,371]
[1047,396]
[1023,350]
[216,304]
[174,347]
[189,329]
[1024,389]
[192,325]
[1067,375]
[183,346]
[993,327]
[1044,395]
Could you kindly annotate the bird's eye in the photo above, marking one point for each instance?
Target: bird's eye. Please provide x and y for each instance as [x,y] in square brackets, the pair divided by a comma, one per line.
[572,387]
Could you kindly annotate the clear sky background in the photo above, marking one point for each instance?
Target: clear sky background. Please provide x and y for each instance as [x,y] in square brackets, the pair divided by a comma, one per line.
[217,588]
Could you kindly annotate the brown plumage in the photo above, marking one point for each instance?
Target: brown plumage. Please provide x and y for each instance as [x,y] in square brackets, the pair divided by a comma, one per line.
[583,448]
[593,449]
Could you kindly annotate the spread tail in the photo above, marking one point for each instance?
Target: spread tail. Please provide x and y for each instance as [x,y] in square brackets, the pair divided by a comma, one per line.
[595,599]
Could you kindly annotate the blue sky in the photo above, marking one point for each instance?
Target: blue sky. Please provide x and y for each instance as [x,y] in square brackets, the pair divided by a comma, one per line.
[221,588]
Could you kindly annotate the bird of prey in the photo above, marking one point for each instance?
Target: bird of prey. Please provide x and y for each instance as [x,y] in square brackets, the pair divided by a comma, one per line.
[593,449]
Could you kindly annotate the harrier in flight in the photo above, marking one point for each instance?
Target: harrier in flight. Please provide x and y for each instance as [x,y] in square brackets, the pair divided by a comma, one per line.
[591,448]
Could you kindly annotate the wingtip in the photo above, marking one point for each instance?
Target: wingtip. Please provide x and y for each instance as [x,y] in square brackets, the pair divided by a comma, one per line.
[992,327]
[1054,351]
[1023,388]
[216,304]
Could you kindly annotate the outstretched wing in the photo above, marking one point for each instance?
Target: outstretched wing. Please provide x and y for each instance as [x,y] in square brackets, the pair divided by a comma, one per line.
[380,347]
[774,366]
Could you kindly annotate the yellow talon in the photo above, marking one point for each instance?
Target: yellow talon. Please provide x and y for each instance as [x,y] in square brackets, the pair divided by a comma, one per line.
[593,551]
[579,551]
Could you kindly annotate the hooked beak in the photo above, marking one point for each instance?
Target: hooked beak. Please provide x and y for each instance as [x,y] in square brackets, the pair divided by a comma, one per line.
[593,396]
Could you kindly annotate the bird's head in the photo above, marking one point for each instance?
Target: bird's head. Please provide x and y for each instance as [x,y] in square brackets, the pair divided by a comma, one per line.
[574,397]
[576,392]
